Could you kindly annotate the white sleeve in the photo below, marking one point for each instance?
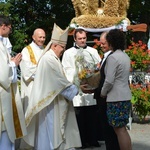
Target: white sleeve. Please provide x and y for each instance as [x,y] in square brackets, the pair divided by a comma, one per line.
[68,66]
[70,92]
[14,70]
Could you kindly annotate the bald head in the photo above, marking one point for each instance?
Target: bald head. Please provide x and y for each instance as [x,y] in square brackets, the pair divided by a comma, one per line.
[103,35]
[104,45]
[39,36]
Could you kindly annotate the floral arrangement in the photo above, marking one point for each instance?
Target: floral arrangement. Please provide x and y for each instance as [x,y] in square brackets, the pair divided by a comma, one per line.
[86,69]
[139,55]
[140,100]
[85,73]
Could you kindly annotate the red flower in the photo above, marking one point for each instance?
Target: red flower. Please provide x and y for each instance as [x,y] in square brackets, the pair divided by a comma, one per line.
[139,55]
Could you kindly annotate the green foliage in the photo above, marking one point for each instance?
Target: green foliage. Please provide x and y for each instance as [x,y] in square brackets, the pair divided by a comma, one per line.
[4,8]
[139,11]
[20,40]
[28,15]
[141,100]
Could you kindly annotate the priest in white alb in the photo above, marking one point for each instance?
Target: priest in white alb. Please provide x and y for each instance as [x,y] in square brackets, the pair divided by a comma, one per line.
[12,121]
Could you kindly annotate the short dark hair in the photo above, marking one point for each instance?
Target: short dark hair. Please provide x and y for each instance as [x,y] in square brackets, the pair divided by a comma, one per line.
[80,30]
[116,39]
[4,20]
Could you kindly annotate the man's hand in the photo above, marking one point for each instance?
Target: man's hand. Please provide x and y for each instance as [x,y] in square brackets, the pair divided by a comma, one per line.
[17,59]
[85,89]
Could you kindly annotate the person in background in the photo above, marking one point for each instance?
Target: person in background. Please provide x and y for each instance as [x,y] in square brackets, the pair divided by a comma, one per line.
[30,56]
[106,130]
[84,104]
[12,121]
[116,88]
[50,116]
[28,64]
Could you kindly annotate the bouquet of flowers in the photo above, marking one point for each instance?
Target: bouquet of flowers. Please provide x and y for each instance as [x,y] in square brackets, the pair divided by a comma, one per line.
[86,69]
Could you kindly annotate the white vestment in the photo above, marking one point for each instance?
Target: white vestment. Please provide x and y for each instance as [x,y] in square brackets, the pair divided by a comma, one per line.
[48,112]
[28,69]
[68,63]
[7,43]
[12,118]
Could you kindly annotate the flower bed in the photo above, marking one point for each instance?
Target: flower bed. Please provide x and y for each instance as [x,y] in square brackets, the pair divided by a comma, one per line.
[139,55]
[140,100]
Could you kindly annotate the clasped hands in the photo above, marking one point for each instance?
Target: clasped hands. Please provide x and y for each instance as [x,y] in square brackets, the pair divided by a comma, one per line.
[85,88]
[17,59]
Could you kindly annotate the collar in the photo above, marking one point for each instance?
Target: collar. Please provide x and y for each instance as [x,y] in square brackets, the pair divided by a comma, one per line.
[40,47]
[77,47]
[107,53]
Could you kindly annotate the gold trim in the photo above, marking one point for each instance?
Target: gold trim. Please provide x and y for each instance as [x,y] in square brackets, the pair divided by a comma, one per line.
[17,125]
[2,118]
[39,105]
[32,57]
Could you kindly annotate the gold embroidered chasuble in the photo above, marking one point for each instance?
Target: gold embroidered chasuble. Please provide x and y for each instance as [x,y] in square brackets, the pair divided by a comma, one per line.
[49,82]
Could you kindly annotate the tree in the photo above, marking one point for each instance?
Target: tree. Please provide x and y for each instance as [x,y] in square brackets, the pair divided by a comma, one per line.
[4,8]
[139,11]
[28,15]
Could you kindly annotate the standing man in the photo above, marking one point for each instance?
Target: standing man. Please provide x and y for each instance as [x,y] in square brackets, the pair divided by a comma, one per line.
[28,65]
[50,110]
[30,57]
[107,131]
[12,123]
[84,104]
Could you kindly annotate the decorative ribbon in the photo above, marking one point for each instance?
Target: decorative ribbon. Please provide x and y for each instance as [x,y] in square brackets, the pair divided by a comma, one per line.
[17,125]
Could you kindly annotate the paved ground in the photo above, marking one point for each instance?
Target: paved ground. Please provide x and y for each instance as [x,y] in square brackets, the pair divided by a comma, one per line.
[140,136]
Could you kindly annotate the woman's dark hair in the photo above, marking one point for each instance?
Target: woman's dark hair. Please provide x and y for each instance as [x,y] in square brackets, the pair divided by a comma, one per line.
[116,39]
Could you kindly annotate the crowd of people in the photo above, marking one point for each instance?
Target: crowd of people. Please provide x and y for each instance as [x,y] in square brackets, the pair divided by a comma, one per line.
[55,110]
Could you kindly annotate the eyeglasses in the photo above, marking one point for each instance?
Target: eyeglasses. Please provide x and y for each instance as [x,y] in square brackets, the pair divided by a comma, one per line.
[10,28]
[62,46]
